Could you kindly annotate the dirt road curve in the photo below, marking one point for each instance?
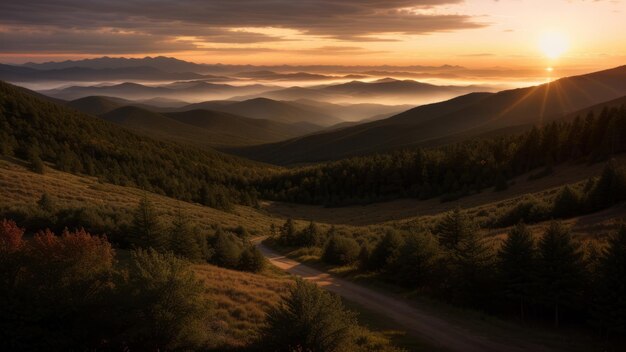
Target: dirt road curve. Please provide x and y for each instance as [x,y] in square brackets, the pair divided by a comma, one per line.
[416,322]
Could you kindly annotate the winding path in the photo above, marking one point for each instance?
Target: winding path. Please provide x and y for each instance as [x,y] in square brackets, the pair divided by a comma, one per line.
[438,331]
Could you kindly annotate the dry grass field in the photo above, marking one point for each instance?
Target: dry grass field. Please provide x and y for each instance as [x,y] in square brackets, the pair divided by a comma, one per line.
[18,185]
[240,302]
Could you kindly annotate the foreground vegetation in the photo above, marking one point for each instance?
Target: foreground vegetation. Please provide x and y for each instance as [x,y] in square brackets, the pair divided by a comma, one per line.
[541,276]
[72,292]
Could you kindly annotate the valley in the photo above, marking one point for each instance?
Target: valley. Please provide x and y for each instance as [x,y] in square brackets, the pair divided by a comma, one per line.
[278,201]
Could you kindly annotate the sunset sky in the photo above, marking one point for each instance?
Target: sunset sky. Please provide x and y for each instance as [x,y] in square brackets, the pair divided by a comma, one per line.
[474,33]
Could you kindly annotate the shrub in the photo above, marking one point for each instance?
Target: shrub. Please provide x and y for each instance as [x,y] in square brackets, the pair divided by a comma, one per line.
[165,307]
[528,210]
[252,260]
[386,251]
[567,203]
[310,319]
[341,250]
[418,262]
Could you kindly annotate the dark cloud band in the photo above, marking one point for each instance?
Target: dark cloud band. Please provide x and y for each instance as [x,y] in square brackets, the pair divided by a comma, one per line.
[121,26]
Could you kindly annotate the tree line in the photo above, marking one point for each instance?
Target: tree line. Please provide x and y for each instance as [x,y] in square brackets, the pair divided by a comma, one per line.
[455,170]
[143,228]
[536,277]
[595,194]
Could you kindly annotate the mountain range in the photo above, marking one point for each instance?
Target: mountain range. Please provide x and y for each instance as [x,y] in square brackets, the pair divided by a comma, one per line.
[467,115]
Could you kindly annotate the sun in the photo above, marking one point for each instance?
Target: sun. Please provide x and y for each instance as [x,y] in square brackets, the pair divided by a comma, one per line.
[553,44]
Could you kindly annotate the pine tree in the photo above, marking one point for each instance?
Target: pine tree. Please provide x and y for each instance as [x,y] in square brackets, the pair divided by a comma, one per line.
[609,311]
[472,267]
[387,251]
[567,203]
[610,188]
[252,260]
[288,233]
[36,164]
[560,268]
[46,203]
[419,260]
[146,229]
[311,236]
[227,251]
[185,241]
[310,319]
[517,263]
[453,228]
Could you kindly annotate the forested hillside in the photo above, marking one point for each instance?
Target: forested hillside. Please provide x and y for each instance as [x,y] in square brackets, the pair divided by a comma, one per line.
[43,132]
[455,170]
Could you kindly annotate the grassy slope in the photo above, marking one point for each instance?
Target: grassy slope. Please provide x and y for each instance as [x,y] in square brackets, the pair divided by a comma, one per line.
[240,302]
[18,185]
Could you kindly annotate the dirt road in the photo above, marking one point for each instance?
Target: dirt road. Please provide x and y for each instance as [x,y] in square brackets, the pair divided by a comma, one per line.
[416,322]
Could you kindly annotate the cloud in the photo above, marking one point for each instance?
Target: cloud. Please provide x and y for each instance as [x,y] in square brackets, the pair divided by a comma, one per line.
[89,41]
[76,23]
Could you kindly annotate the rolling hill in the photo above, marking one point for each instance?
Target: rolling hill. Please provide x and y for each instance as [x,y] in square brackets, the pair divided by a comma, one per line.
[97,105]
[203,128]
[184,90]
[481,112]
[286,112]
[389,91]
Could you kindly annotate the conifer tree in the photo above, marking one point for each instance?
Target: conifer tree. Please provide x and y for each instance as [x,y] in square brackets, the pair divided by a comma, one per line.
[311,236]
[46,203]
[288,233]
[453,228]
[517,263]
[609,311]
[560,269]
[227,251]
[146,229]
[252,260]
[567,203]
[419,259]
[310,319]
[387,251]
[472,267]
[36,164]
[185,241]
